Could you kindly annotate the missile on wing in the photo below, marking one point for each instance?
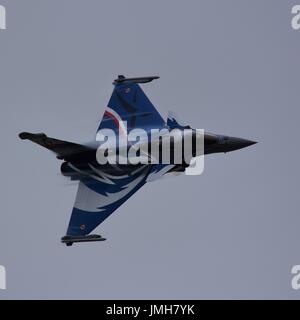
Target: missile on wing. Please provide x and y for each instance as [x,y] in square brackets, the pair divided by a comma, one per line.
[69,240]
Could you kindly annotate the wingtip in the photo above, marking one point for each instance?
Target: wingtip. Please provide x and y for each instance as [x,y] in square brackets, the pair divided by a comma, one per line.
[123,79]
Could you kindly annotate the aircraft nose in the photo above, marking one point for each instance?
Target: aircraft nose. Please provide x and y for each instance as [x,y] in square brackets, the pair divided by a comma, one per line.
[238,143]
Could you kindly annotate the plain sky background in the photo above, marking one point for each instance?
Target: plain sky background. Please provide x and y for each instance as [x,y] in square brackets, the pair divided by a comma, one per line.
[229,67]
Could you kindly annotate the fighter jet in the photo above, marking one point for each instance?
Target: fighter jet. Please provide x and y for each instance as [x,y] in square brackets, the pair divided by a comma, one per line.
[103,188]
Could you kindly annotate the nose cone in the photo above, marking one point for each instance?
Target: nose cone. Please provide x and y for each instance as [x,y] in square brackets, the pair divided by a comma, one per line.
[238,143]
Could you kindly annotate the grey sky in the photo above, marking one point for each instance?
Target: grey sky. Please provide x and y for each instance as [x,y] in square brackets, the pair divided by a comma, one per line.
[229,67]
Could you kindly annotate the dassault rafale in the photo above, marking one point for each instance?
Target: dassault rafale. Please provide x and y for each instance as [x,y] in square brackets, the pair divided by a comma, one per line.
[104,187]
